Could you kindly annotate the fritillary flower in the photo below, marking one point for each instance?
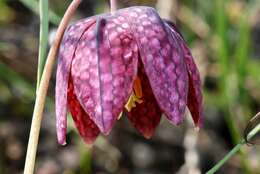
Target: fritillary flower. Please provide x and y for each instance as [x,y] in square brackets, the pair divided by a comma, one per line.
[132,61]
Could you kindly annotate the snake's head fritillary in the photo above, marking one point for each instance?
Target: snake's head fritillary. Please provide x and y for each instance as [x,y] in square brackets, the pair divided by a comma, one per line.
[130,61]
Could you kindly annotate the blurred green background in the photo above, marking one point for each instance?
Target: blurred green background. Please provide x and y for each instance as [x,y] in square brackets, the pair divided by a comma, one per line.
[224,36]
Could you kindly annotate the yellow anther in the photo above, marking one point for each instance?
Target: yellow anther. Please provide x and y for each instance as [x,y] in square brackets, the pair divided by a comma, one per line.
[136,95]
[131,103]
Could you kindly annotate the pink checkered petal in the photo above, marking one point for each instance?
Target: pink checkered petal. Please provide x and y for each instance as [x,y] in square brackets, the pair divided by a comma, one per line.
[163,61]
[103,72]
[66,52]
[195,93]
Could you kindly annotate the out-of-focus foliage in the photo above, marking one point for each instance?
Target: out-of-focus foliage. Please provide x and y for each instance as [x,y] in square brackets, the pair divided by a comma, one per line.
[225,41]
[6,14]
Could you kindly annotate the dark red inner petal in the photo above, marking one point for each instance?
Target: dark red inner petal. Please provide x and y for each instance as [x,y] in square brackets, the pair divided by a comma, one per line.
[86,127]
[145,116]
[193,103]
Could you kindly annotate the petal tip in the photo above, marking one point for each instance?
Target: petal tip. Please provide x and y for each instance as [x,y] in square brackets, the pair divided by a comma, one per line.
[105,130]
[62,141]
[177,120]
[61,133]
[89,141]
[200,122]
[105,126]
[148,135]
[197,129]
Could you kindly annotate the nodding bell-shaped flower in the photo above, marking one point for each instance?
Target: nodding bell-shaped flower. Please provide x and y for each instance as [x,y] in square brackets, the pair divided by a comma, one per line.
[131,61]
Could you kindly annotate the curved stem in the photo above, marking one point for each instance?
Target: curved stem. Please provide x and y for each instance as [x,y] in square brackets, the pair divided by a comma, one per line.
[42,91]
[234,150]
[113,5]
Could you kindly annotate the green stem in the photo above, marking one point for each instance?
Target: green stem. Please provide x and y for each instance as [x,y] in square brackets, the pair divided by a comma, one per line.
[234,151]
[43,43]
[33,6]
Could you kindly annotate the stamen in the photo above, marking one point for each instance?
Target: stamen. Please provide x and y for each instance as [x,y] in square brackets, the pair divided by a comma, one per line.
[138,88]
[131,102]
[136,95]
[120,115]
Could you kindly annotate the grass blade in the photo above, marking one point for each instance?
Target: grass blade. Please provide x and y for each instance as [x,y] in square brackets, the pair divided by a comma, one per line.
[33,5]
[44,29]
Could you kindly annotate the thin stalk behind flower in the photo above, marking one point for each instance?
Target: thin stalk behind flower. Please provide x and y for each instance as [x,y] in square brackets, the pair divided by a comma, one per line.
[42,91]
[250,135]
[44,27]
[227,94]
[113,5]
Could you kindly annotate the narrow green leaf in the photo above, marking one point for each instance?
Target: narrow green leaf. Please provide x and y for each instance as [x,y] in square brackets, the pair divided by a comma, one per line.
[44,29]
[33,5]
